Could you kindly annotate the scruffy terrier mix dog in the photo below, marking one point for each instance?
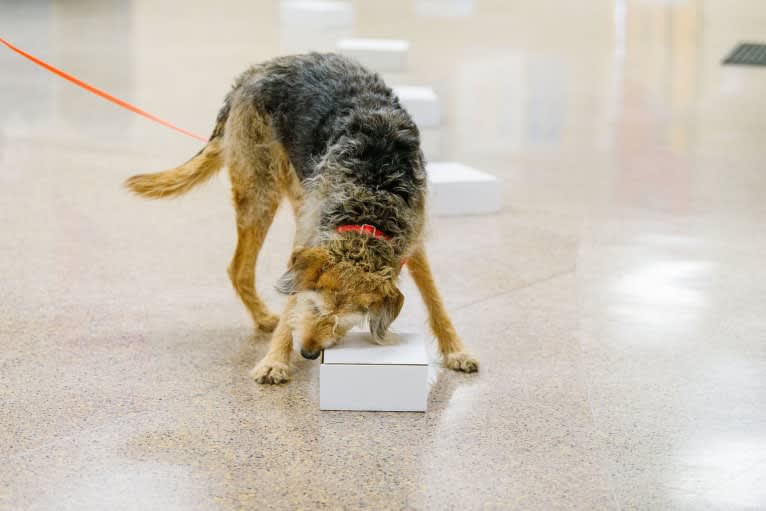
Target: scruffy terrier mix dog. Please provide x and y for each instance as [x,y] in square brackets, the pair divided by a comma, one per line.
[333,138]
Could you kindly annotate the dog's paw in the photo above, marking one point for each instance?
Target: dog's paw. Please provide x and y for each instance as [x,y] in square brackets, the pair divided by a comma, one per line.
[271,372]
[461,361]
[267,323]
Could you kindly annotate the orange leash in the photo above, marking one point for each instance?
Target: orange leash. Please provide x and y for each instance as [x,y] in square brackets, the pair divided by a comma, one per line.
[103,94]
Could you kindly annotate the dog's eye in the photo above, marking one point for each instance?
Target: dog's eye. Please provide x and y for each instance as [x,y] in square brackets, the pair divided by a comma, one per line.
[315,309]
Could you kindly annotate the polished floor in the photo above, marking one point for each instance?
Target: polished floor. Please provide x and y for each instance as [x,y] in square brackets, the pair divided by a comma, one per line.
[618,303]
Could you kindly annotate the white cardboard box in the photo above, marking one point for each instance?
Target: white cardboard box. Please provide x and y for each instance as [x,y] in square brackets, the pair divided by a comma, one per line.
[444,8]
[317,13]
[358,374]
[457,189]
[377,54]
[422,104]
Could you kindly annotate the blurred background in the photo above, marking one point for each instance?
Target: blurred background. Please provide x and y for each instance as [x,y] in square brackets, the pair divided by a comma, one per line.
[616,301]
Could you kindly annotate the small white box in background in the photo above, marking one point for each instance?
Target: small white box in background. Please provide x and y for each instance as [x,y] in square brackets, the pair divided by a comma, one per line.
[377,54]
[358,374]
[444,8]
[456,189]
[317,13]
[422,104]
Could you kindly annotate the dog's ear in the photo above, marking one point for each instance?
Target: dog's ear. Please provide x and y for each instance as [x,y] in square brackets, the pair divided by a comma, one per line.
[303,271]
[383,312]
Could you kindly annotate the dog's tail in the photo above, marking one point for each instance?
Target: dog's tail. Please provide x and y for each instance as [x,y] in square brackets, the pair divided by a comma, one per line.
[179,180]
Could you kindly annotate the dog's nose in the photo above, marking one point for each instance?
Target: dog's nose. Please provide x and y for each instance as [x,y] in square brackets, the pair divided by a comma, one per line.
[311,355]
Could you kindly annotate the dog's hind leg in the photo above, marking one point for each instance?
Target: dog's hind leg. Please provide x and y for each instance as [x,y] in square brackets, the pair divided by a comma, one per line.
[253,221]
[255,211]
[450,345]
[254,159]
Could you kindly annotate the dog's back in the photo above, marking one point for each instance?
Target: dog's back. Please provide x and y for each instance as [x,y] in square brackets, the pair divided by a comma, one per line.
[334,119]
[338,121]
[309,98]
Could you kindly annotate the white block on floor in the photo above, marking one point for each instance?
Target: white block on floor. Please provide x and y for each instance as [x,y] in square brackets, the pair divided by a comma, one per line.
[422,104]
[358,374]
[317,13]
[377,54]
[457,189]
[444,8]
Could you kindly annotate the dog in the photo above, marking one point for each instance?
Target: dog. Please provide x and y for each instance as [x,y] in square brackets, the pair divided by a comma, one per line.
[333,138]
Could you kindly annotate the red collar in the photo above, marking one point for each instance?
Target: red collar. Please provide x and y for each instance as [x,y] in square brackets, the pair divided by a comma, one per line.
[364,228]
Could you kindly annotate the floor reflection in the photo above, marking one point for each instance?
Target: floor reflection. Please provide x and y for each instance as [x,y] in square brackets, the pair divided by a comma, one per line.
[616,302]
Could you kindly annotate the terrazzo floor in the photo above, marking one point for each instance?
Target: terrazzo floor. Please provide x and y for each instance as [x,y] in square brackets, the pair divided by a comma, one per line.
[616,303]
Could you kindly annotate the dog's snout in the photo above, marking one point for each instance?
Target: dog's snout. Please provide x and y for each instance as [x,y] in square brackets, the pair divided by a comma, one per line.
[311,355]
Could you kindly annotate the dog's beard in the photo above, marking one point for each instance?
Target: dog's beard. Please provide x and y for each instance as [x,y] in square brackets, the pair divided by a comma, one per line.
[309,307]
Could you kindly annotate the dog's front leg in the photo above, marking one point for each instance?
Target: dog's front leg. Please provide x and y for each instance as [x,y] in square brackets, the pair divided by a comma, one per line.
[275,366]
[455,356]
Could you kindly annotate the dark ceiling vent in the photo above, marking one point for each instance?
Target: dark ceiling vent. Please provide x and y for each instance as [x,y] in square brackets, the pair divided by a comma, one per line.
[747,54]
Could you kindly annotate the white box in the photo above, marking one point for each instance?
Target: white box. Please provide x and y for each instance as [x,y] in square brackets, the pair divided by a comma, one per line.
[444,8]
[377,54]
[422,104]
[358,374]
[317,13]
[457,189]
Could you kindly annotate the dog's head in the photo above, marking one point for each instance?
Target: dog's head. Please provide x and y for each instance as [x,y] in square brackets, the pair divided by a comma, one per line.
[333,294]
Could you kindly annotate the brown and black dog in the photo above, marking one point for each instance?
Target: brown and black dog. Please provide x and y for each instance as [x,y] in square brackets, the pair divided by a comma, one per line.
[332,137]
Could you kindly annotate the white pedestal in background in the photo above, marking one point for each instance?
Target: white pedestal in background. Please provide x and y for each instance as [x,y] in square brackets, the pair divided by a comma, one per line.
[358,374]
[384,55]
[317,13]
[457,189]
[444,8]
[422,104]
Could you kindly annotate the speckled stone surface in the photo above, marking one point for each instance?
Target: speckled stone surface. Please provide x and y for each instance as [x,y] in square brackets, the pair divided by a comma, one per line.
[616,304]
